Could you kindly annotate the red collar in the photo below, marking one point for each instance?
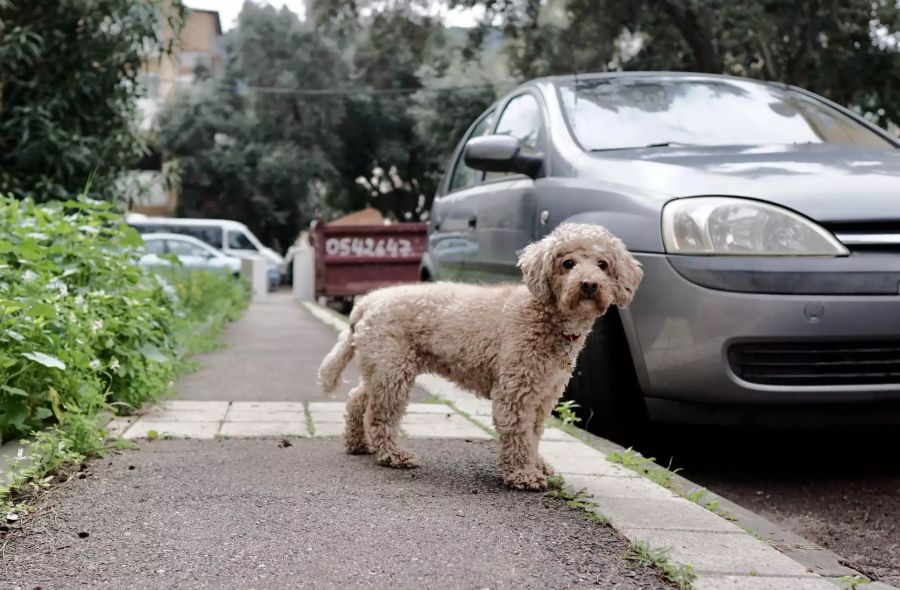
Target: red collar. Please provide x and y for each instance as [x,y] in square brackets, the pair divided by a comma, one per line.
[571,337]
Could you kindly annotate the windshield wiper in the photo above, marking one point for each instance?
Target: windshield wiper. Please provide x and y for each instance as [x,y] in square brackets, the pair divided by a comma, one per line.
[649,145]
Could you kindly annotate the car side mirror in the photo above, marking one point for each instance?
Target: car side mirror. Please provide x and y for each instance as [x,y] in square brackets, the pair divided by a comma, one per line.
[501,153]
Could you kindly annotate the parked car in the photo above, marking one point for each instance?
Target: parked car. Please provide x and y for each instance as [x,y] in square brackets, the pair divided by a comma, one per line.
[191,252]
[231,237]
[767,220]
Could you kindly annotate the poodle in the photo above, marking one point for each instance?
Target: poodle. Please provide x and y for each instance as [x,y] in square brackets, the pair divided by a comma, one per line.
[513,344]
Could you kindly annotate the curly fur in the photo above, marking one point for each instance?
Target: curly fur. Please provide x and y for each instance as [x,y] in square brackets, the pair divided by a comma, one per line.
[512,344]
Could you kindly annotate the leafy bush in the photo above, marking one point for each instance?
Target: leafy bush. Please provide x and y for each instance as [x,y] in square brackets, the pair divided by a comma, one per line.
[83,328]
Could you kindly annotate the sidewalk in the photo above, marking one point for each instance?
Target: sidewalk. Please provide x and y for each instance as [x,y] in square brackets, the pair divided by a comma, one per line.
[261,495]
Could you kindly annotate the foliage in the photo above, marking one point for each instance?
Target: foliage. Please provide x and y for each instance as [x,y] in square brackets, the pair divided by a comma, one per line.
[566,412]
[68,73]
[682,575]
[845,50]
[82,327]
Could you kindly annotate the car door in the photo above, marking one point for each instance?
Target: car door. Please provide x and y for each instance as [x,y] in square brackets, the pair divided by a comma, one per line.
[450,236]
[504,220]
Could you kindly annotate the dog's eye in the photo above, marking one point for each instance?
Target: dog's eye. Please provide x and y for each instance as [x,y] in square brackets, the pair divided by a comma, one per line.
[568,264]
[603,265]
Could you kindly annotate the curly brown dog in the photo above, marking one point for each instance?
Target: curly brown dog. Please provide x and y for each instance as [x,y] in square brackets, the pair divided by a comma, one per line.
[513,344]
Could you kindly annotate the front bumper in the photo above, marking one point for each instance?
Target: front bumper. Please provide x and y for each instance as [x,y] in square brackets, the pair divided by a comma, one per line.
[680,332]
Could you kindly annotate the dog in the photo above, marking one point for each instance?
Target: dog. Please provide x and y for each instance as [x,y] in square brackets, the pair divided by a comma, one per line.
[513,344]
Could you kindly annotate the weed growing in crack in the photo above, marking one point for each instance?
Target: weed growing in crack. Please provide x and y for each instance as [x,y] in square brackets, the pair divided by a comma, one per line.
[852,582]
[641,554]
[565,411]
[703,498]
[644,465]
[577,500]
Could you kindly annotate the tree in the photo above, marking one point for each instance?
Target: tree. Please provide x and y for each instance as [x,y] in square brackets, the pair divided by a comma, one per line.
[846,50]
[254,145]
[68,91]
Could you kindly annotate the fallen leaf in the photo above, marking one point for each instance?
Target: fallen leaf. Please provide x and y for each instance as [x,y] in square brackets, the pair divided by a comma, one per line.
[285,443]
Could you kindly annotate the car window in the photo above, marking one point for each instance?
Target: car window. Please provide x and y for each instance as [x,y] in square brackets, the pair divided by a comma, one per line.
[180,248]
[463,176]
[239,241]
[155,246]
[610,114]
[522,119]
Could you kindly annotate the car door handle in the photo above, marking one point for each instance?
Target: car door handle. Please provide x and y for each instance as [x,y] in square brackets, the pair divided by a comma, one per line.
[473,221]
[545,217]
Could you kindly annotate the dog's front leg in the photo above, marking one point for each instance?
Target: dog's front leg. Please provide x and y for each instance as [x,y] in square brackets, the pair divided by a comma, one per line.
[514,420]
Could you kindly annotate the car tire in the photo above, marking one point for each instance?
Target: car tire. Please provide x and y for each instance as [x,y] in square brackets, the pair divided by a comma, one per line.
[605,386]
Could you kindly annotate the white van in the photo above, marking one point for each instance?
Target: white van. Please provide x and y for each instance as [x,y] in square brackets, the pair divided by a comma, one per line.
[231,237]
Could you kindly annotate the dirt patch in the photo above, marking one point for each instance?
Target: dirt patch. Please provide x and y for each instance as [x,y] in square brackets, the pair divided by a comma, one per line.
[839,488]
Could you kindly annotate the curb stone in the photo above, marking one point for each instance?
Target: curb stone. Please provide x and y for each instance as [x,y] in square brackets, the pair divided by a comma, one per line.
[747,553]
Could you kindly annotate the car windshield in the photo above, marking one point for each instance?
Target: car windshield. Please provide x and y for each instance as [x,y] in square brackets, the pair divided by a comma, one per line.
[623,113]
[239,241]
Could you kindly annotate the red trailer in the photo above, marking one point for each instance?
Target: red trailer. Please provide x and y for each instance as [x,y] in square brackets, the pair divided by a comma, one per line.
[355,259]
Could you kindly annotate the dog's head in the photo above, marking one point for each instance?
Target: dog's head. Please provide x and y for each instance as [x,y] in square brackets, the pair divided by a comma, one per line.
[580,268]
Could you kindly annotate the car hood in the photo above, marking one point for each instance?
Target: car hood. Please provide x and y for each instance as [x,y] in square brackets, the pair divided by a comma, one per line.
[824,182]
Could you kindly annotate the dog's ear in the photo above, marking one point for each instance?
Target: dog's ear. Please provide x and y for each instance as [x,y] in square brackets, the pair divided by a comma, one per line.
[628,274]
[536,263]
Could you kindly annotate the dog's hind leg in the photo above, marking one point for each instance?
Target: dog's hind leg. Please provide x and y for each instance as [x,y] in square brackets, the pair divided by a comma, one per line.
[387,394]
[355,430]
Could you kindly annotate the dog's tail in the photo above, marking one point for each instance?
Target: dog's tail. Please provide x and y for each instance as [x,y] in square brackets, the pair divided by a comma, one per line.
[339,357]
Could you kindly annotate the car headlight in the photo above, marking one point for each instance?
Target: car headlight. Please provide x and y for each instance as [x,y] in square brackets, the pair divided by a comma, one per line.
[728,226]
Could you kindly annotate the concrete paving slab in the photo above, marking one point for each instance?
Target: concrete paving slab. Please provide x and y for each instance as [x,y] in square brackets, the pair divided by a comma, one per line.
[327,429]
[652,513]
[474,406]
[336,417]
[580,459]
[180,405]
[117,426]
[198,430]
[211,414]
[264,412]
[707,582]
[726,553]
[265,429]
[441,426]
[555,434]
[604,486]
[429,409]
[334,406]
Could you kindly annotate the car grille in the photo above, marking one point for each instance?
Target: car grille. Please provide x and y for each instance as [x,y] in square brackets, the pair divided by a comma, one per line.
[867,236]
[824,364]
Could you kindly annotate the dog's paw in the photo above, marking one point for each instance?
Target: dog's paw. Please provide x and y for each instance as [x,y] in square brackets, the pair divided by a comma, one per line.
[358,449]
[522,479]
[545,467]
[399,459]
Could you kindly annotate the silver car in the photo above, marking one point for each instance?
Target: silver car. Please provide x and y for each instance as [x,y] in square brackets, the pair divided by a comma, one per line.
[767,219]
[191,252]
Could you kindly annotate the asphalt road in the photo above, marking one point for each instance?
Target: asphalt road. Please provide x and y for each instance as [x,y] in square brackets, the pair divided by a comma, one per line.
[243,514]
[837,487]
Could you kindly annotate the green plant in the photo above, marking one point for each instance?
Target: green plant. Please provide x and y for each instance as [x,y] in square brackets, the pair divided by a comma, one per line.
[576,500]
[85,331]
[566,412]
[703,498]
[853,582]
[682,575]
[644,465]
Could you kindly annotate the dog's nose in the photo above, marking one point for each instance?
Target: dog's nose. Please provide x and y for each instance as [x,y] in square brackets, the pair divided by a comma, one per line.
[588,288]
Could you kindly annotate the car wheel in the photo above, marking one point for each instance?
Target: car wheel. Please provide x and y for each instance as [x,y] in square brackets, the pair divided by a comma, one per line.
[604,384]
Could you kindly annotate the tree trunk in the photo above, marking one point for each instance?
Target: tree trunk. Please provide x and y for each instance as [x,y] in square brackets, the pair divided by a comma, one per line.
[697,36]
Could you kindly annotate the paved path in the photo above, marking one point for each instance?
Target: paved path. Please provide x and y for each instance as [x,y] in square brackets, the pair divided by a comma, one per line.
[237,507]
